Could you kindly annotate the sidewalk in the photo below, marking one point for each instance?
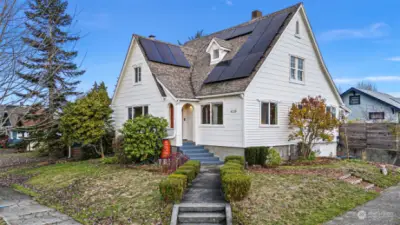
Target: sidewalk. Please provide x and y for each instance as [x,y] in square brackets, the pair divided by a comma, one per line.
[384,210]
[19,209]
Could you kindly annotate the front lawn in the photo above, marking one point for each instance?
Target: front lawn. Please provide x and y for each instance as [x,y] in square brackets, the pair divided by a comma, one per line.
[93,193]
[309,194]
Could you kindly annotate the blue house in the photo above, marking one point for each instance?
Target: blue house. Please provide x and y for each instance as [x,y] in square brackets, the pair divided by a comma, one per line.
[371,106]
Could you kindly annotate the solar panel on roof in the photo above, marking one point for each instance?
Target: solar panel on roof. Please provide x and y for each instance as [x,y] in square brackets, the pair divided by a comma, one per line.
[239,31]
[179,56]
[231,69]
[151,50]
[225,35]
[215,73]
[246,68]
[165,53]
[269,34]
[246,59]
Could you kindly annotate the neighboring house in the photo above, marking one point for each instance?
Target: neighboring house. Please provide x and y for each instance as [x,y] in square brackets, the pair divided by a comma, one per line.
[371,106]
[12,123]
[231,89]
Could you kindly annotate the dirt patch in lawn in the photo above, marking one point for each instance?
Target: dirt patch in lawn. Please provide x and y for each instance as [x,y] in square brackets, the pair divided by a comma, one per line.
[317,161]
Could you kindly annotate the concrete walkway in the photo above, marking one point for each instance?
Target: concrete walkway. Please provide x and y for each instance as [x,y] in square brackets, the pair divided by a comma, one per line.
[384,210]
[206,188]
[19,209]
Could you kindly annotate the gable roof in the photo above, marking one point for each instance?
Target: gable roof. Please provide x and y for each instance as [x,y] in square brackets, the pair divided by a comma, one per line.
[188,83]
[379,96]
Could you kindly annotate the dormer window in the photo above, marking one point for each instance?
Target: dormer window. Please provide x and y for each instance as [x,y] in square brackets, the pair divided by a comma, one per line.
[216,54]
[217,49]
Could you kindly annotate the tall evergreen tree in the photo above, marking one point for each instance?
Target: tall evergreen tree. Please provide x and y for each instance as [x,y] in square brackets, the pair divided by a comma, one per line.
[51,67]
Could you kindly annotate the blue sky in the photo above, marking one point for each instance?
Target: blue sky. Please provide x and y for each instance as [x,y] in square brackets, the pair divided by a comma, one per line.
[358,40]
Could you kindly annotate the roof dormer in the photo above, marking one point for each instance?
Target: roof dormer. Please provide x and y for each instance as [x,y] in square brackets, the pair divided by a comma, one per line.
[217,49]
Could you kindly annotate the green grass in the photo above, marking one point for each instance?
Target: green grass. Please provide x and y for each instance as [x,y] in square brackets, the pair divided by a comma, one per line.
[24,190]
[367,172]
[19,155]
[94,193]
[296,199]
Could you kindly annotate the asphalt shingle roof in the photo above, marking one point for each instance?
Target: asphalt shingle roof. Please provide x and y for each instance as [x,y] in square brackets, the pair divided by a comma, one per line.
[380,96]
[189,82]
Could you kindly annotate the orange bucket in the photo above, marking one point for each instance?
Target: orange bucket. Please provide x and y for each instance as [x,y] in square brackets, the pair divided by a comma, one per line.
[166,150]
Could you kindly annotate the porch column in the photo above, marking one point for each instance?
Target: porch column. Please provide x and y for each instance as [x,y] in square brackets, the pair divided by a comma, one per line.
[178,123]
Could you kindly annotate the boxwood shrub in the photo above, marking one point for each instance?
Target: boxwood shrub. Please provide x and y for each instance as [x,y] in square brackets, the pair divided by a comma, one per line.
[273,158]
[172,189]
[235,157]
[236,186]
[256,155]
[235,183]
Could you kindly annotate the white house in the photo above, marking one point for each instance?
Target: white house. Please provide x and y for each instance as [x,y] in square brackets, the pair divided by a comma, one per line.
[231,89]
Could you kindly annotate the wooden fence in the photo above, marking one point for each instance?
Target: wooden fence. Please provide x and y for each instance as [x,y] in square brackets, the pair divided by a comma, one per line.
[378,141]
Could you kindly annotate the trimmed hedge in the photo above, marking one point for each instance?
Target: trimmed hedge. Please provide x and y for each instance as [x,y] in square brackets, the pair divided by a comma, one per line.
[235,183]
[235,157]
[173,187]
[256,155]
[236,186]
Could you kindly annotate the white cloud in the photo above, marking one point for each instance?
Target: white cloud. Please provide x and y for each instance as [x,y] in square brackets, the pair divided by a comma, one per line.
[375,30]
[372,78]
[229,2]
[395,59]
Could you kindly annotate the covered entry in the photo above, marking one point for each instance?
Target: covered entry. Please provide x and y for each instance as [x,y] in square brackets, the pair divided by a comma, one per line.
[188,122]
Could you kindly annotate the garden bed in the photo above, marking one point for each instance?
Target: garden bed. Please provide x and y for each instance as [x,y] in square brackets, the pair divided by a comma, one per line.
[94,193]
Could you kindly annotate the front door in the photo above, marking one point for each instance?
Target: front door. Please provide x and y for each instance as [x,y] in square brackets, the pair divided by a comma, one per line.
[187,122]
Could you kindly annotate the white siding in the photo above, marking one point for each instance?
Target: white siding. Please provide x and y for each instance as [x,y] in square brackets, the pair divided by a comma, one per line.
[272,83]
[145,93]
[230,134]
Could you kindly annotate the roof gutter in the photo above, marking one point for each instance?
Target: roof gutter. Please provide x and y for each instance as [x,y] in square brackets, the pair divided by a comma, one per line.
[220,95]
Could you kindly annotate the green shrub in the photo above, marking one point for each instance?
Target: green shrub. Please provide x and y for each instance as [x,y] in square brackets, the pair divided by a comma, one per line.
[251,155]
[262,155]
[229,172]
[312,156]
[195,163]
[181,177]
[235,157]
[143,137]
[110,160]
[189,167]
[273,158]
[190,173]
[234,161]
[236,186]
[172,189]
[231,167]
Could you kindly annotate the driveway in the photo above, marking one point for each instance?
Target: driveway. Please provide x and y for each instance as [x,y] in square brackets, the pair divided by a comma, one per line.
[384,210]
[19,209]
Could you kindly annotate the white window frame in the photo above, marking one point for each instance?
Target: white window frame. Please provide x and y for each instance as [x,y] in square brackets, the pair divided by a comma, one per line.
[139,66]
[269,113]
[133,110]
[296,69]
[211,114]
[330,107]
[297,29]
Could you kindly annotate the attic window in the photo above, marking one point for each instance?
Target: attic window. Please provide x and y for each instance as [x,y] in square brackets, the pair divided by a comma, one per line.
[297,28]
[216,54]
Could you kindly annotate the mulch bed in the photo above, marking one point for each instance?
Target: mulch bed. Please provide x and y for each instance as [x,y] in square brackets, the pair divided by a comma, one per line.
[317,161]
[332,173]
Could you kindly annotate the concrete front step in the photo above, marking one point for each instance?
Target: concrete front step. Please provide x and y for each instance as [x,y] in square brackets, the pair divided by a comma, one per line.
[201,217]
[192,147]
[194,151]
[212,163]
[202,154]
[202,207]
[204,158]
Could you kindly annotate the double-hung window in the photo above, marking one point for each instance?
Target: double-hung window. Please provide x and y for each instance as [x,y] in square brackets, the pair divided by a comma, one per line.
[332,110]
[354,100]
[296,69]
[136,111]
[377,115]
[212,113]
[138,75]
[269,113]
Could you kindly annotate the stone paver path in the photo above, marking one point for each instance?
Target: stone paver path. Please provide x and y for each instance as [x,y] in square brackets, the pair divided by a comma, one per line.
[206,188]
[384,210]
[19,209]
